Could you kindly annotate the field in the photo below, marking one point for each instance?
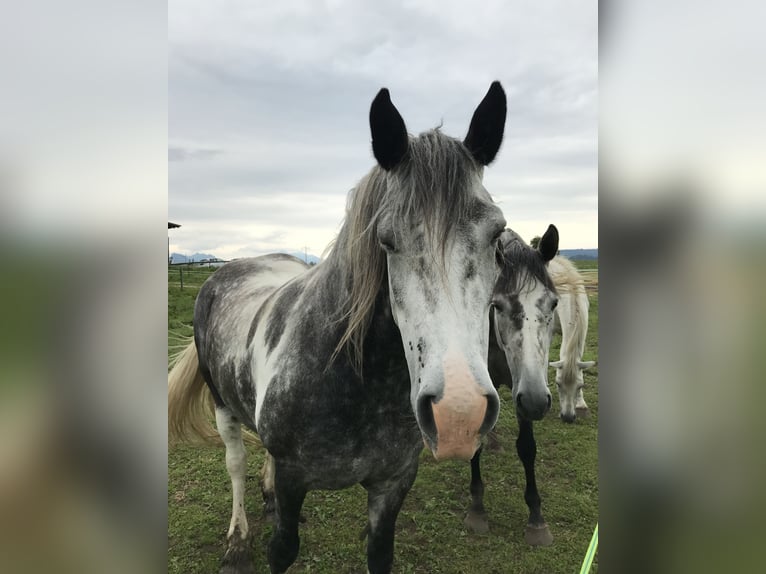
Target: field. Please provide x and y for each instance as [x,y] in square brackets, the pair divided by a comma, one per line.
[430,536]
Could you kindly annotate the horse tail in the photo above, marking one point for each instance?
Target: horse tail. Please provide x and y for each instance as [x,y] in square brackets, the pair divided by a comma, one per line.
[190,403]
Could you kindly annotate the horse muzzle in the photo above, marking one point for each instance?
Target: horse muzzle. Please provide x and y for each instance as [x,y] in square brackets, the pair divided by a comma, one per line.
[533,406]
[454,421]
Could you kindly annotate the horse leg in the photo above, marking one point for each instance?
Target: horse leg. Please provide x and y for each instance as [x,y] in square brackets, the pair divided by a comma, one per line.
[289,494]
[238,558]
[581,408]
[384,501]
[537,532]
[476,520]
[267,487]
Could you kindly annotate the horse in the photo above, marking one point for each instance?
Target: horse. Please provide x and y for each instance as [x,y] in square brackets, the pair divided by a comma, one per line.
[345,370]
[522,316]
[572,323]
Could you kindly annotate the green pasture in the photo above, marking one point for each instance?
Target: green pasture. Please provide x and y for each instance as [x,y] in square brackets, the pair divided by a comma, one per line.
[583,264]
[430,537]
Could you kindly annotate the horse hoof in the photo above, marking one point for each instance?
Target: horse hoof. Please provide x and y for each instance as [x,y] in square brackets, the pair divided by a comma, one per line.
[476,522]
[535,535]
[582,412]
[238,558]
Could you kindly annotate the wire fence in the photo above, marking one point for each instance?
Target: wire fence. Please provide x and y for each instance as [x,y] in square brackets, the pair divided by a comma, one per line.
[189,275]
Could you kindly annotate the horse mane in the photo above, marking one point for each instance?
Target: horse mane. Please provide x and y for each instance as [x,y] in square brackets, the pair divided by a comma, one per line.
[569,283]
[430,185]
[522,265]
[565,275]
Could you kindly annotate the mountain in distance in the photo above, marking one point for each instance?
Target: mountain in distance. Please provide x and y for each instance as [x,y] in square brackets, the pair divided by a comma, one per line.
[176,258]
[195,258]
[579,253]
[310,259]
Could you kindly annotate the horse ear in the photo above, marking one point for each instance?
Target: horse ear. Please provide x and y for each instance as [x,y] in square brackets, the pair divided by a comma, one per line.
[585,364]
[487,126]
[389,134]
[556,364]
[549,244]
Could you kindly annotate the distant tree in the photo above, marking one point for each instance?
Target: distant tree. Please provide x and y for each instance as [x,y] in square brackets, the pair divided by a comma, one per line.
[535,241]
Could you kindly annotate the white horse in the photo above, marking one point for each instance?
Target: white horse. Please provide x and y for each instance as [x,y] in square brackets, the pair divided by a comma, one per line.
[571,320]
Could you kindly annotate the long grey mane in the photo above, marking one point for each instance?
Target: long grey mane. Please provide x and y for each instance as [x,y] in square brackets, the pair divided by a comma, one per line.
[431,185]
[521,265]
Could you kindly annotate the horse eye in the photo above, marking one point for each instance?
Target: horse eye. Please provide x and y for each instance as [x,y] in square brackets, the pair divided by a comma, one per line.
[387,246]
[555,304]
[386,239]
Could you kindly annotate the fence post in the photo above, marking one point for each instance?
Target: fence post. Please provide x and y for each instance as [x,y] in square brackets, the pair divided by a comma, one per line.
[180,269]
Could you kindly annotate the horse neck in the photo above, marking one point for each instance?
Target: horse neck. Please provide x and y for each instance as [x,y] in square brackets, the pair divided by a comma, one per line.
[574,324]
[381,335]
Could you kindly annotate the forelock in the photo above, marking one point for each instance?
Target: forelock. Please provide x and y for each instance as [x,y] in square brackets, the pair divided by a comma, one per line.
[521,266]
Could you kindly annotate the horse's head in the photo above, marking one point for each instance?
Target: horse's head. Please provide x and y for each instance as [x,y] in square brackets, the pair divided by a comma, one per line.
[438,229]
[570,381]
[524,303]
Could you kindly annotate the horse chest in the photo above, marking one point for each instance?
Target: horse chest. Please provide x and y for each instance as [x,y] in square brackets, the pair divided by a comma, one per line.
[339,434]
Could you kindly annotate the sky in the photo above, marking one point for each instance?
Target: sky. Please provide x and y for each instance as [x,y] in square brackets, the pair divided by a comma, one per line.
[269,103]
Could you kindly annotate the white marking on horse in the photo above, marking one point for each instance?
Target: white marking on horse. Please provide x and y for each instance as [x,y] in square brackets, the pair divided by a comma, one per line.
[236,463]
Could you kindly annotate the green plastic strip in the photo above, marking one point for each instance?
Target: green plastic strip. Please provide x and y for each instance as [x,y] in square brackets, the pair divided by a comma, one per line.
[591,553]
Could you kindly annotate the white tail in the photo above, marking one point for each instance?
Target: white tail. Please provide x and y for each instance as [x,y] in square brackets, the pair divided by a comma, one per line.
[191,409]
[190,404]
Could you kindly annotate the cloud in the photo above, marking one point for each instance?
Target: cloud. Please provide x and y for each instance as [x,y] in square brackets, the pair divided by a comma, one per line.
[268,107]
[181,154]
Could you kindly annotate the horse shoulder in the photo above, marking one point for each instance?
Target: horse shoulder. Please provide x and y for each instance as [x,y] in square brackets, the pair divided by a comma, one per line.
[274,340]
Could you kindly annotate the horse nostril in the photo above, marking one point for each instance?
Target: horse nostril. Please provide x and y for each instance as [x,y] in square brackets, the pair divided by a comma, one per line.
[518,400]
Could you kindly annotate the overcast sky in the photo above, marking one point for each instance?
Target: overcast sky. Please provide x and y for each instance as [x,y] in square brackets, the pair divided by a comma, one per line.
[269,103]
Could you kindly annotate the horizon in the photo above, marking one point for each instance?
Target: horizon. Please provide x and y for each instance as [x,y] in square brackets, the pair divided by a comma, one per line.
[300,254]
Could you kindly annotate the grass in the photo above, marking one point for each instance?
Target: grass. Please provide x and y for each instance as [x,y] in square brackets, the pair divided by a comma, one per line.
[585,263]
[430,537]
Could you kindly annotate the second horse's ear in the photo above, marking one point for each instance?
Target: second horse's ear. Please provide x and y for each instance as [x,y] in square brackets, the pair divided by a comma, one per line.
[487,126]
[549,244]
[389,134]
